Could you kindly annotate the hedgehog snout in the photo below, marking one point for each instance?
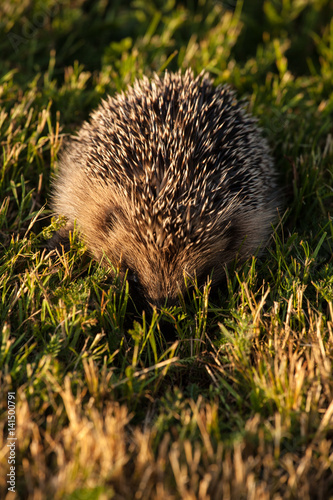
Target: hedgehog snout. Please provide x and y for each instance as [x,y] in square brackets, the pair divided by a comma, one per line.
[161,288]
[159,295]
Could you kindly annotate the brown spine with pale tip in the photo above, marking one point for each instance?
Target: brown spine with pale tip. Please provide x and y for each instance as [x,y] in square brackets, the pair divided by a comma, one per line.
[171,177]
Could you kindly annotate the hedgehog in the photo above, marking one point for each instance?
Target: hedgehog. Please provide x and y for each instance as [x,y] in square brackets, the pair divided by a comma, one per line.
[169,179]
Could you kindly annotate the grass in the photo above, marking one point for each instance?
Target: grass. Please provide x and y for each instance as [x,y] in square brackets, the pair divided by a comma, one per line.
[239,403]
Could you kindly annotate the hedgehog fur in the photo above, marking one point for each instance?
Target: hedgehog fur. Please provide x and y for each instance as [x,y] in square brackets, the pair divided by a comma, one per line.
[171,177]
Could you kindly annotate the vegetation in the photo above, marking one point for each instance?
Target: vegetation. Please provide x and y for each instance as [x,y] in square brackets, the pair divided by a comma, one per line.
[236,400]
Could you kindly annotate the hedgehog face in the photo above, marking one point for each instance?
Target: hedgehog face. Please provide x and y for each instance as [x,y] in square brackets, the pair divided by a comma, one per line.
[156,261]
[155,267]
[158,276]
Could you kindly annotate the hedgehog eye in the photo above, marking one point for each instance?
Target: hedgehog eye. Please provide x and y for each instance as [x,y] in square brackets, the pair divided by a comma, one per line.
[131,275]
[128,272]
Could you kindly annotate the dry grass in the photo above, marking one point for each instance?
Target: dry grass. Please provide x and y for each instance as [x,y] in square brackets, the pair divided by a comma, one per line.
[84,445]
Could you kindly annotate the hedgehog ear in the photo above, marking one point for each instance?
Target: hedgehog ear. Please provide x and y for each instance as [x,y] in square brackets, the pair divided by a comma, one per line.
[110,220]
[112,217]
